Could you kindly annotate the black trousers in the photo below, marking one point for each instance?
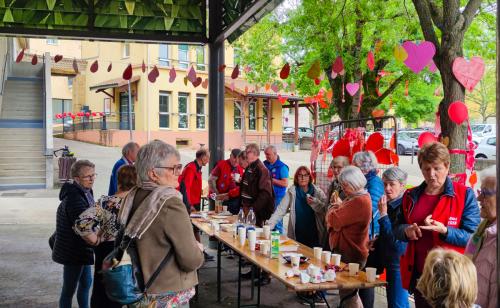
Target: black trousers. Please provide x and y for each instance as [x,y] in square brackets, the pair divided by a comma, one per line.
[99,299]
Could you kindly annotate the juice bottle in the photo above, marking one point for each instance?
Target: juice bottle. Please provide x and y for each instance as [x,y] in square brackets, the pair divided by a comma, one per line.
[275,244]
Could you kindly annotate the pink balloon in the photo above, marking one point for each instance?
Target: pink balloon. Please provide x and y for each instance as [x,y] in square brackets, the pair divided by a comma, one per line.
[425,138]
[458,113]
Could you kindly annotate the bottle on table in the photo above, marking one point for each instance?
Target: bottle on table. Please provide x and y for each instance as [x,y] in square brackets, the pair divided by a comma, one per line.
[251,220]
[275,244]
[241,219]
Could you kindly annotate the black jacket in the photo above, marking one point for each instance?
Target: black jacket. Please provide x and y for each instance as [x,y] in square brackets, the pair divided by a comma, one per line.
[70,248]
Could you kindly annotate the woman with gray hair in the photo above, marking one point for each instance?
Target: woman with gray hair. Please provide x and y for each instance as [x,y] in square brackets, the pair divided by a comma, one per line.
[389,207]
[154,216]
[348,223]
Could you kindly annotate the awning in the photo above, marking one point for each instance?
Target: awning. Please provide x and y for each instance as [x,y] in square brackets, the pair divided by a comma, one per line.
[246,89]
[113,83]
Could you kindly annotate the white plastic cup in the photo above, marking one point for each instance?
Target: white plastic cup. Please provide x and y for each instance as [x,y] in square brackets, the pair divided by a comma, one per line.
[264,248]
[295,261]
[326,255]
[215,226]
[266,229]
[336,259]
[224,208]
[317,252]
[237,177]
[252,235]
[251,243]
[353,269]
[242,235]
[371,274]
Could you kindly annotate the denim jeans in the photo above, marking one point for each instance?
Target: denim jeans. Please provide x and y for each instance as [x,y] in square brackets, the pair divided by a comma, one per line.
[279,226]
[397,296]
[76,276]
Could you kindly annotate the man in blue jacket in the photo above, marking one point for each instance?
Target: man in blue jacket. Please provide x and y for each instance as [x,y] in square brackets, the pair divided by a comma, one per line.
[279,176]
[129,154]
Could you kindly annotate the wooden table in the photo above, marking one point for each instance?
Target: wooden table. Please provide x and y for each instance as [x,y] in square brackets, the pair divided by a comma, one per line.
[276,268]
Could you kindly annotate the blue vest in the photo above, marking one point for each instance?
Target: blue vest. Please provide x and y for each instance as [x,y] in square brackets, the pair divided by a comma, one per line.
[275,170]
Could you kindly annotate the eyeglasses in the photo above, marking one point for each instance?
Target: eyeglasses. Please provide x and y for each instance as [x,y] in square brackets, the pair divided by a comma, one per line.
[303,176]
[486,192]
[176,169]
[89,177]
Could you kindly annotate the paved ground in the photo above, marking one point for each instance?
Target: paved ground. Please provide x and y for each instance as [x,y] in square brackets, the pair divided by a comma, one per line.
[28,277]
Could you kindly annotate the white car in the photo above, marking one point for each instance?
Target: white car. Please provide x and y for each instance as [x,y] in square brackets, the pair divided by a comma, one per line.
[480,131]
[487,148]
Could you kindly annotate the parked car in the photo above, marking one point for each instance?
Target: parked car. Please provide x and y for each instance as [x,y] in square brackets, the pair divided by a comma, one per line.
[408,140]
[479,131]
[487,148]
[303,131]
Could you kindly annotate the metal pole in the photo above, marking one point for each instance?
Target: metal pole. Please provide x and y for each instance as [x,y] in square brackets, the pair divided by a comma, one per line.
[147,98]
[498,151]
[130,112]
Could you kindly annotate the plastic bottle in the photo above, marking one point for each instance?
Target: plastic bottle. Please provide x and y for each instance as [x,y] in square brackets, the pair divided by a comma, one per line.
[275,244]
[251,220]
[241,219]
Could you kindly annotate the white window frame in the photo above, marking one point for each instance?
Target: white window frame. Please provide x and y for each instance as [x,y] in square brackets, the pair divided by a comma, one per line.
[52,41]
[183,63]
[201,66]
[125,50]
[204,115]
[71,80]
[186,114]
[163,113]
[162,61]
[237,105]
[254,117]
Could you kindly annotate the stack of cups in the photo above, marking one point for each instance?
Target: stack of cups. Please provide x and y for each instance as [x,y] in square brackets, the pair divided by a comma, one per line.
[317,252]
[252,239]
[242,235]
[267,232]
[265,246]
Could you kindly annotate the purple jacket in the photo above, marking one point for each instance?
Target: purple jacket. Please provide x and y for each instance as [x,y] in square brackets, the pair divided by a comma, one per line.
[486,266]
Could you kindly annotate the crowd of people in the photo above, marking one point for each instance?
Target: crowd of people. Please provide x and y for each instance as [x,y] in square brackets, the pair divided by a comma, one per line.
[429,239]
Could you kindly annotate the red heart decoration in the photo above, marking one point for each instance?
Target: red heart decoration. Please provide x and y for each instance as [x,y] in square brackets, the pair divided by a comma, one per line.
[341,148]
[317,81]
[458,113]
[375,142]
[58,58]
[75,66]
[127,73]
[156,71]
[370,61]
[191,75]
[197,82]
[236,72]
[94,114]
[285,71]
[152,76]
[222,68]
[378,113]
[338,65]
[73,116]
[34,60]
[468,73]
[110,66]
[205,83]
[384,156]
[172,74]
[426,137]
[20,56]
[87,114]
[94,67]
[143,67]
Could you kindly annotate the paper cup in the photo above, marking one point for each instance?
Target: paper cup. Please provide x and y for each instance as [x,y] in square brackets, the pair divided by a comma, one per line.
[264,248]
[242,235]
[267,232]
[251,244]
[317,252]
[224,208]
[252,235]
[353,269]
[235,232]
[371,274]
[335,259]
[326,255]
[237,177]
[215,226]
[295,261]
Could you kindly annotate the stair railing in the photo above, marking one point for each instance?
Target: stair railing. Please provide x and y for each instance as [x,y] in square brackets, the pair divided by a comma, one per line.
[4,73]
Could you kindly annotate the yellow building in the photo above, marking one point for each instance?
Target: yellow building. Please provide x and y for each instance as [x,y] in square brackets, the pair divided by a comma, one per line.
[176,112]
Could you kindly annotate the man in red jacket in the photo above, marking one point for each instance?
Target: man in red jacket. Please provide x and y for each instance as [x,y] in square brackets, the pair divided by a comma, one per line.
[190,181]
[224,181]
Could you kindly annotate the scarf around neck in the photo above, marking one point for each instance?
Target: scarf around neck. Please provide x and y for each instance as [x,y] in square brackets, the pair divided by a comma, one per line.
[477,240]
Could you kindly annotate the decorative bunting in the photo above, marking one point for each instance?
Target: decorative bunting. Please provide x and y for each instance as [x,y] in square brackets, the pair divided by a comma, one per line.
[127,73]
[191,75]
[34,60]
[352,88]
[94,67]
[20,56]
[222,68]
[468,73]
[143,66]
[197,82]
[236,72]
[285,71]
[338,66]
[204,84]
[75,66]
[400,53]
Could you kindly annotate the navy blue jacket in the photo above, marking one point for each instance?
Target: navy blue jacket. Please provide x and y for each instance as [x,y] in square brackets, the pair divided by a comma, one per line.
[392,247]
[375,188]
[455,236]
[113,181]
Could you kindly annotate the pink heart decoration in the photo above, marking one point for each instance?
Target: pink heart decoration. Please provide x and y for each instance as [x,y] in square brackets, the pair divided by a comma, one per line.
[352,88]
[192,75]
[432,67]
[468,73]
[418,55]
[172,74]
[204,84]
[275,88]
[231,86]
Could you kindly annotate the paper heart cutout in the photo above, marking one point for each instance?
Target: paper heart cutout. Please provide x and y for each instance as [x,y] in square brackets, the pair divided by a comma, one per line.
[110,66]
[315,70]
[143,66]
[172,74]
[204,84]
[267,86]
[419,56]
[191,75]
[352,88]
[275,88]
[152,76]
[432,67]
[370,61]
[156,71]
[341,148]
[197,82]
[94,67]
[400,53]
[58,58]
[468,73]
[384,156]
[375,142]
[285,71]
[333,75]
[378,113]
[185,81]
[20,56]
[75,66]
[236,72]
[34,60]
[338,65]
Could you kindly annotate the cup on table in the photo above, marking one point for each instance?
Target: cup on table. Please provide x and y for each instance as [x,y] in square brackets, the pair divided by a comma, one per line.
[266,229]
[242,235]
[224,208]
[371,274]
[252,239]
[215,226]
[251,244]
[336,259]
[295,261]
[264,248]
[317,252]
[326,255]
[353,269]
[237,177]
[235,231]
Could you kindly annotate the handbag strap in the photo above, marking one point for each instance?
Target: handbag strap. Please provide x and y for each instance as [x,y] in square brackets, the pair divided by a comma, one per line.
[158,270]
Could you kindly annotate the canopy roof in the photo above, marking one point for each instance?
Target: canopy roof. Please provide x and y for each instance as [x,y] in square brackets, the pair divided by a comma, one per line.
[136,20]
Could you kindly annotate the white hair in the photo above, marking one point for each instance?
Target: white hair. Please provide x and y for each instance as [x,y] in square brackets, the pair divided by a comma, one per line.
[395,174]
[272,148]
[152,155]
[353,177]
[366,161]
[340,159]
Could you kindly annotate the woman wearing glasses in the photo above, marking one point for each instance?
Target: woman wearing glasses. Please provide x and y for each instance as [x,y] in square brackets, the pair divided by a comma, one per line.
[439,212]
[307,205]
[69,249]
[153,214]
[482,246]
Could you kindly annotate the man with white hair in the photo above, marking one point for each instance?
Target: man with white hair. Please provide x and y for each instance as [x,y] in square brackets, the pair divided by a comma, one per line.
[129,154]
[279,177]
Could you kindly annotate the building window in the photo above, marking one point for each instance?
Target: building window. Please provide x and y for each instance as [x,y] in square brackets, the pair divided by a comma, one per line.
[200,58]
[52,41]
[183,110]
[163,58]
[70,82]
[164,110]
[183,56]
[251,116]
[237,115]
[265,107]
[200,112]
[125,50]
[236,56]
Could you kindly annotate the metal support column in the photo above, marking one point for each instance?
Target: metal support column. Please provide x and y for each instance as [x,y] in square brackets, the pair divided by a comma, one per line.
[498,149]
[215,85]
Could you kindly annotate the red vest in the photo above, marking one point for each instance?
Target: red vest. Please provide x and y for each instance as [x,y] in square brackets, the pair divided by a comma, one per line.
[225,182]
[448,211]
[193,182]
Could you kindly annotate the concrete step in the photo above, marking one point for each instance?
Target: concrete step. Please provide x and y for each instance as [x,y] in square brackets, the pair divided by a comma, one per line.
[23,152]
[20,132]
[22,172]
[21,160]
[27,179]
[23,140]
[35,165]
[17,116]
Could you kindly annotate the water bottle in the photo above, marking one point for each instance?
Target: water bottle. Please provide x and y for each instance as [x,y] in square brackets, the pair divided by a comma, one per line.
[241,219]
[275,244]
[251,220]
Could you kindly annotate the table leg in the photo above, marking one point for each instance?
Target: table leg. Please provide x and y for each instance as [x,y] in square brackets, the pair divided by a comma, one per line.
[252,279]
[219,250]
[259,273]
[322,295]
[239,281]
